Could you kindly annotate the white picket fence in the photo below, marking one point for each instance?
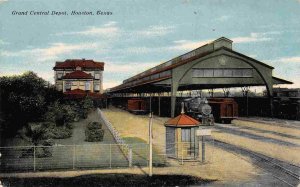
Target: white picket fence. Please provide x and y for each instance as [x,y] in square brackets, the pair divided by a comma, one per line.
[122,143]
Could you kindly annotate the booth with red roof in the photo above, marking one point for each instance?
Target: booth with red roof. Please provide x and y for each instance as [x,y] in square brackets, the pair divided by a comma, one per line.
[181,140]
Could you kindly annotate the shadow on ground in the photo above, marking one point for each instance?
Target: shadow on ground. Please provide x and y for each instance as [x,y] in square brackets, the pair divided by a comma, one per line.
[109,180]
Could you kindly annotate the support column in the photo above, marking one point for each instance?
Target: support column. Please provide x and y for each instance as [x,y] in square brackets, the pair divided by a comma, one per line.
[159,105]
[270,94]
[174,88]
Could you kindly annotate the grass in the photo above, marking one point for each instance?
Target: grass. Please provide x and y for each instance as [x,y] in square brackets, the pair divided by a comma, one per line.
[87,154]
[140,150]
[130,125]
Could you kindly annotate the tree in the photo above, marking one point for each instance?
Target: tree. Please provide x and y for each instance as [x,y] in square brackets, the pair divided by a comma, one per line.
[24,98]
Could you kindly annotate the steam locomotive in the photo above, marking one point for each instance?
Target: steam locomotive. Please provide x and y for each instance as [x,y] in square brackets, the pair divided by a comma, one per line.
[222,110]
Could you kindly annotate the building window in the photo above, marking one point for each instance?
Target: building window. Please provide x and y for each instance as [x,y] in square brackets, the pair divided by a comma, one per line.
[74,83]
[226,72]
[247,72]
[87,85]
[97,87]
[218,73]
[97,76]
[185,135]
[208,73]
[59,75]
[68,85]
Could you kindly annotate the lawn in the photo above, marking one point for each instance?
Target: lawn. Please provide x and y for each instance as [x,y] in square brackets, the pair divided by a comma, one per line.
[69,153]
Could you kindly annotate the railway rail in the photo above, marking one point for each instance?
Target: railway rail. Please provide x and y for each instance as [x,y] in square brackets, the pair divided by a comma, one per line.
[283,171]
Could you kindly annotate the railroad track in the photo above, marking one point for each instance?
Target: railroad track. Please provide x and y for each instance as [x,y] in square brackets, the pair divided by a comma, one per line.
[283,171]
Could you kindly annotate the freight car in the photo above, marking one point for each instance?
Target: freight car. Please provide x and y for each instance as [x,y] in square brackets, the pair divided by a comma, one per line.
[137,106]
[224,109]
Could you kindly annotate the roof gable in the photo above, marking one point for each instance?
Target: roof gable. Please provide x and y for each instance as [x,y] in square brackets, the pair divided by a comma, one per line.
[73,63]
[182,120]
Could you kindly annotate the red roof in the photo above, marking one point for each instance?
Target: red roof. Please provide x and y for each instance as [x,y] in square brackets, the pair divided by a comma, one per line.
[73,63]
[182,121]
[79,94]
[78,75]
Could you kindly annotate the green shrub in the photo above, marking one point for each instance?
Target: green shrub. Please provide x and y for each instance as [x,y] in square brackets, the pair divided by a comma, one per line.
[85,107]
[61,133]
[94,132]
[58,132]
[42,152]
[61,113]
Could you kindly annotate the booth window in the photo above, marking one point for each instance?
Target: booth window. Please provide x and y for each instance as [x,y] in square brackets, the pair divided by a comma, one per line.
[185,135]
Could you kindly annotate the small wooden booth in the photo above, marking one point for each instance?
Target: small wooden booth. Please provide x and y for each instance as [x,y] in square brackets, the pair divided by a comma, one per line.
[181,139]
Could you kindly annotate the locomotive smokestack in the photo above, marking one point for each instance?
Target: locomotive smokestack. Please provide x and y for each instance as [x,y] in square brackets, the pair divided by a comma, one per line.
[182,108]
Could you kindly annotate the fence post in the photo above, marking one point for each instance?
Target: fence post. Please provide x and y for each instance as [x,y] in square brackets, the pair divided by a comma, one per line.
[109,155]
[34,158]
[130,157]
[74,156]
[181,153]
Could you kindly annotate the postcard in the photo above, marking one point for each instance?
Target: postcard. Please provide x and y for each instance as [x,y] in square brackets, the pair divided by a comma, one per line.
[149,93]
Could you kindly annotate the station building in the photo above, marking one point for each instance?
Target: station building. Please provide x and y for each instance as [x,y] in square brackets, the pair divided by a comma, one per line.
[79,75]
[211,66]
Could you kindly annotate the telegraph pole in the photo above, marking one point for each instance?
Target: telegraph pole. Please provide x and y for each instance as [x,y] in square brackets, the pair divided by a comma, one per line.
[150,144]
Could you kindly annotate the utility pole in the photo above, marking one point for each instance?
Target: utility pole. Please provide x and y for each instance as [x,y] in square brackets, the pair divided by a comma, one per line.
[150,143]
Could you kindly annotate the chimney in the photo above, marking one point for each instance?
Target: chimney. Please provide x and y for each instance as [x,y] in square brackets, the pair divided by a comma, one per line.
[182,107]
[222,42]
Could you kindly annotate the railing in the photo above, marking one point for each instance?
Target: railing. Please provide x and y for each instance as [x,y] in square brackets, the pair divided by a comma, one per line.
[124,147]
[98,156]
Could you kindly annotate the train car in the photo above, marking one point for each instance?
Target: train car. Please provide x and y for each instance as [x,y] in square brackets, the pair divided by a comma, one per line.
[223,109]
[137,106]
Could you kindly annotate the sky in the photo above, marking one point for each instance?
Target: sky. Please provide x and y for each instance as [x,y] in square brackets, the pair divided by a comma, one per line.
[140,34]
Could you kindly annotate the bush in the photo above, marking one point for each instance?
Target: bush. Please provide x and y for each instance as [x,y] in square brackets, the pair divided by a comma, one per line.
[85,106]
[61,113]
[94,132]
[60,132]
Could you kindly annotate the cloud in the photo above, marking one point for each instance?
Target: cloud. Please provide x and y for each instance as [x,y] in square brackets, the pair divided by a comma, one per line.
[108,29]
[223,18]
[188,44]
[51,52]
[293,59]
[128,67]
[110,84]
[254,37]
[155,30]
[2,42]
[124,69]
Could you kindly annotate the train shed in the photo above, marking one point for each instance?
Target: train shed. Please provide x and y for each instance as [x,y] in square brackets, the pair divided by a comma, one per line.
[211,66]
